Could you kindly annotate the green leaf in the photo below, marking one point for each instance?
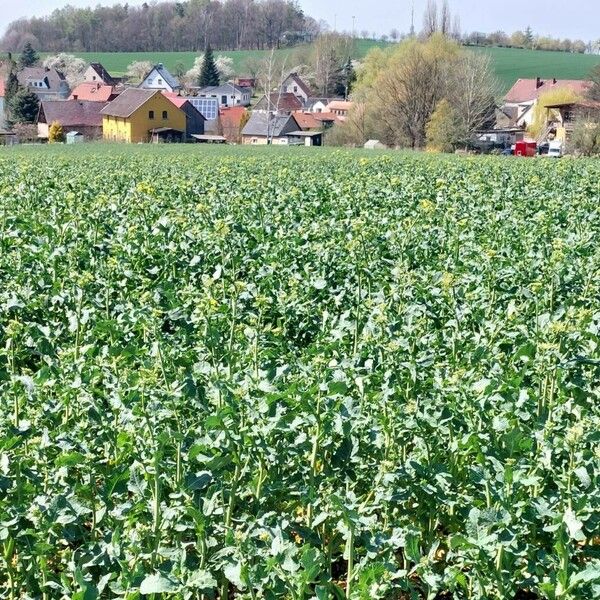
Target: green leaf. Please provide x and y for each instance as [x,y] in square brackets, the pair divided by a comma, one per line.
[157,584]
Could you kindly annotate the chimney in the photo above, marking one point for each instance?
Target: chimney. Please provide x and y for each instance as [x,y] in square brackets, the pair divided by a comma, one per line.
[160,65]
[538,83]
[554,81]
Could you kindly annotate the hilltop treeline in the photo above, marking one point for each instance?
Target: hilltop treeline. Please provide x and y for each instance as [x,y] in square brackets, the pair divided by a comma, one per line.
[165,27]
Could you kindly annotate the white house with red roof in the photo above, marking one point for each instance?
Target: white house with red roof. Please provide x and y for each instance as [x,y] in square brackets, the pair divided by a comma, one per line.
[293,84]
[525,93]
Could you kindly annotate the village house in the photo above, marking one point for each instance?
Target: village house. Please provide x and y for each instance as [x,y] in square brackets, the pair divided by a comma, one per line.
[562,117]
[282,104]
[45,83]
[293,84]
[264,128]
[139,115]
[525,93]
[227,94]
[318,105]
[94,92]
[339,108]
[159,78]
[96,73]
[194,119]
[307,121]
[81,116]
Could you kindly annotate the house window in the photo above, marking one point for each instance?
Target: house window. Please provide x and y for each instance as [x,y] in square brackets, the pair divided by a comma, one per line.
[165,114]
[151,115]
[93,78]
[224,100]
[254,141]
[295,88]
[159,81]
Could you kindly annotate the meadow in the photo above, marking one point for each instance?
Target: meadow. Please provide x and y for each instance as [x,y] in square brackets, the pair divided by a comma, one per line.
[297,374]
[510,64]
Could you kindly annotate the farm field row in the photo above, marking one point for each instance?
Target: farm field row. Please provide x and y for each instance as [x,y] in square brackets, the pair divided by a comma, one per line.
[292,373]
[510,64]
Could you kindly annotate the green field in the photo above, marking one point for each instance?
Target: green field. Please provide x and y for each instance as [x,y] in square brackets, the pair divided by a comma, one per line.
[510,64]
[118,62]
[293,374]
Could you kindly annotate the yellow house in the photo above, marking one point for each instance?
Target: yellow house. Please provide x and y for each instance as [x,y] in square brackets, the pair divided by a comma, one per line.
[138,115]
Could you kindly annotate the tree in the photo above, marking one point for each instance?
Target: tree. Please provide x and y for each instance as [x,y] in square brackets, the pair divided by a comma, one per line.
[224,66]
[24,107]
[56,135]
[529,37]
[209,75]
[445,24]
[430,19]
[540,111]
[137,70]
[586,137]
[346,80]
[70,66]
[441,129]
[472,91]
[29,57]
[594,91]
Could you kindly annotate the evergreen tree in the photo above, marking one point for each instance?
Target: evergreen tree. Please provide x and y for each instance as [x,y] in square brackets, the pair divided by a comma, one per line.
[29,57]
[24,107]
[344,79]
[209,75]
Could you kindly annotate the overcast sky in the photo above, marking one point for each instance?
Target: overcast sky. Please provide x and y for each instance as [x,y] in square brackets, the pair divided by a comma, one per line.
[560,18]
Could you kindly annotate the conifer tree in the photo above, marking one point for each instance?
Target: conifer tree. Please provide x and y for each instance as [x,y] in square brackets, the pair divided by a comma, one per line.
[24,107]
[209,75]
[29,57]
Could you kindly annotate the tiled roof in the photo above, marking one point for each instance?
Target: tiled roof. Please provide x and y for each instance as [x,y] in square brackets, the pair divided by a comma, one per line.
[94,92]
[307,120]
[339,105]
[224,88]
[126,103]
[231,118]
[528,90]
[263,124]
[52,76]
[281,102]
[71,113]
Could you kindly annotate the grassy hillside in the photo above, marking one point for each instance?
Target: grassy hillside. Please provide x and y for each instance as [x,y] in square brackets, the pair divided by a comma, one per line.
[513,63]
[117,62]
[510,63]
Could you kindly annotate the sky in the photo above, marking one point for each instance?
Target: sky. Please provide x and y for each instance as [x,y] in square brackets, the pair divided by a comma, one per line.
[546,17]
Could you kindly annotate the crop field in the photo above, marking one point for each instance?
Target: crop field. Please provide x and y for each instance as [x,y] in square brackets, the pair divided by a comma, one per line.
[298,374]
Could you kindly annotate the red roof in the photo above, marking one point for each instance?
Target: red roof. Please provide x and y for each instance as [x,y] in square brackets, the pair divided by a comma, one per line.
[178,101]
[528,90]
[307,120]
[93,92]
[2,88]
[232,117]
[328,116]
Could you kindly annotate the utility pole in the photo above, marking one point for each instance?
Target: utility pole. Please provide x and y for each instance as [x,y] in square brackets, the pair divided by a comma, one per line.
[412,21]
[335,22]
[353,25]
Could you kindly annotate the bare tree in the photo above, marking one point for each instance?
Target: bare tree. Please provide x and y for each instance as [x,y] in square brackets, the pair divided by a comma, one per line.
[473,91]
[445,18]
[430,19]
[456,28]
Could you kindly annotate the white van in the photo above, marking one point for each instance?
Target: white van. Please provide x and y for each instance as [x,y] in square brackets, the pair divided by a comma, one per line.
[555,150]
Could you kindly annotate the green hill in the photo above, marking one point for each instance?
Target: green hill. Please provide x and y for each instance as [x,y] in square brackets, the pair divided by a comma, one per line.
[510,63]
[514,63]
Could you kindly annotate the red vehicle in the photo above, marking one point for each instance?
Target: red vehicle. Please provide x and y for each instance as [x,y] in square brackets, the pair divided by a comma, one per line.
[525,149]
